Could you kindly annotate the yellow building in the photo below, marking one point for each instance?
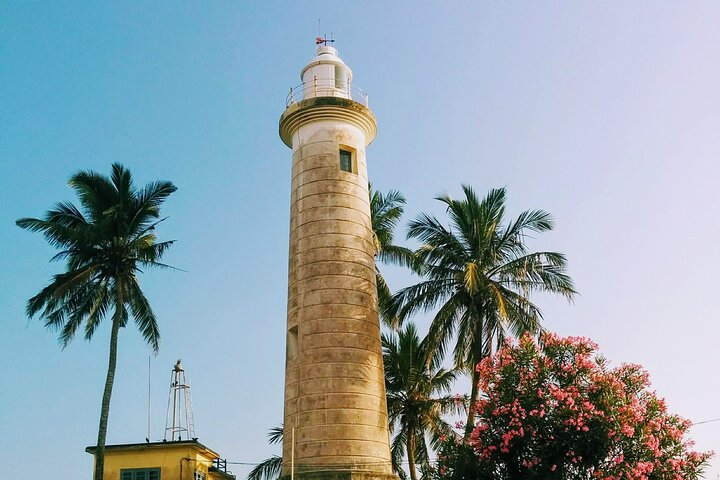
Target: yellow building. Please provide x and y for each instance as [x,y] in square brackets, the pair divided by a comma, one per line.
[177,460]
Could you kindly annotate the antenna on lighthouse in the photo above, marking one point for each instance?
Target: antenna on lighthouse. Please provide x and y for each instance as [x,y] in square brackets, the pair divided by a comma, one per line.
[179,421]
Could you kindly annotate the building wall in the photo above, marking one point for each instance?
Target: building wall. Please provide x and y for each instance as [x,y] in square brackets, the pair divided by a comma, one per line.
[176,462]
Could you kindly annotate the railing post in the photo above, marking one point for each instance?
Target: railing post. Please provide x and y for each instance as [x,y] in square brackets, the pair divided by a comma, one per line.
[292,97]
[349,92]
[315,85]
[367,102]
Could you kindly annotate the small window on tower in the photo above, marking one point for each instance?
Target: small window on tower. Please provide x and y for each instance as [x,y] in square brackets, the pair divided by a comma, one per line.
[292,343]
[346,161]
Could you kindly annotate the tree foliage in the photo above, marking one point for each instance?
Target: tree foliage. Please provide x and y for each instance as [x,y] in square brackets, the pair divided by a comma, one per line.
[418,396]
[479,275]
[385,212]
[556,410]
[271,467]
[105,243]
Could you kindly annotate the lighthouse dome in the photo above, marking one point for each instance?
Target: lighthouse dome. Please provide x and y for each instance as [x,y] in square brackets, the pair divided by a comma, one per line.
[326,75]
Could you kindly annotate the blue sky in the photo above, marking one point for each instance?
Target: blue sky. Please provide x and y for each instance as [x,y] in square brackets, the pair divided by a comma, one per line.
[606,114]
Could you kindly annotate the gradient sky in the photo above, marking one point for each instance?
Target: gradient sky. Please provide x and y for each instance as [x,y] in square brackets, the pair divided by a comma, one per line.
[606,114]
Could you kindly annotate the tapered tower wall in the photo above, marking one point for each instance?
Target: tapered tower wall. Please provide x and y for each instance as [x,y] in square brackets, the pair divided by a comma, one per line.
[334,382]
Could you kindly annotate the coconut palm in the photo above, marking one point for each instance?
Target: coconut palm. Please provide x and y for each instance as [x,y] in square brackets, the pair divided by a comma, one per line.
[270,468]
[105,244]
[481,275]
[417,397]
[385,212]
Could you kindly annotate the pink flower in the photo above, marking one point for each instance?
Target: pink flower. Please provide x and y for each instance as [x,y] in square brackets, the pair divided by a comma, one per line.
[538,399]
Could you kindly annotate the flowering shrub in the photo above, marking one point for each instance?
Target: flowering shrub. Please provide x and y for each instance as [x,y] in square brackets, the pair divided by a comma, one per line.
[556,411]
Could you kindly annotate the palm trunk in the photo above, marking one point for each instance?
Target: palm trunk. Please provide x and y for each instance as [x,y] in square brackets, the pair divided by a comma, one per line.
[474,392]
[107,392]
[411,454]
[477,355]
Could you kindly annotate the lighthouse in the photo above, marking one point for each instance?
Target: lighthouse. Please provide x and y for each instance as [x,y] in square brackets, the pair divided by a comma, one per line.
[335,420]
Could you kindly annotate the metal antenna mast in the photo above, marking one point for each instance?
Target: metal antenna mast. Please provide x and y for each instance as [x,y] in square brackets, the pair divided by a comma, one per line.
[179,420]
[149,434]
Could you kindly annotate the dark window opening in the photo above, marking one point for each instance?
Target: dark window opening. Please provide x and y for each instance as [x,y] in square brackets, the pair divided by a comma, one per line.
[292,343]
[346,161]
[140,474]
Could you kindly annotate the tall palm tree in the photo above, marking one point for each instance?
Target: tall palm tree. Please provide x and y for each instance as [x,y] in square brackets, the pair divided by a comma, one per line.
[105,245]
[480,274]
[385,212]
[270,468]
[417,397]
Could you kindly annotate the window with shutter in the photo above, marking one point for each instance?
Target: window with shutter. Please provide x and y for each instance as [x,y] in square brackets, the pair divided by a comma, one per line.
[140,474]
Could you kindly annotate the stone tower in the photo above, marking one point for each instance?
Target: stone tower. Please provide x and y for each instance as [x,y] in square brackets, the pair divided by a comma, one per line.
[335,409]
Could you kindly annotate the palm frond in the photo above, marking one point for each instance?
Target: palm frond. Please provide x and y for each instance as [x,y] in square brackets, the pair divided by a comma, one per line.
[385,309]
[275,435]
[143,314]
[397,453]
[96,194]
[123,184]
[424,295]
[443,326]
[395,255]
[86,301]
[67,215]
[147,250]
[57,235]
[98,309]
[268,469]
[146,204]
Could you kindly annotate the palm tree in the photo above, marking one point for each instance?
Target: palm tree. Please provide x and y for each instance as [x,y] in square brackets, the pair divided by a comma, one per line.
[270,468]
[417,397]
[105,245]
[385,212]
[480,274]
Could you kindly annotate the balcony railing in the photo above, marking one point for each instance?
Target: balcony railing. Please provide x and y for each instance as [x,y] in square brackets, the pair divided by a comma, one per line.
[220,465]
[325,87]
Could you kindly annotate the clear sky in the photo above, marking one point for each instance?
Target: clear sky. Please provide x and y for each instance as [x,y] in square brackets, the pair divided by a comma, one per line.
[606,114]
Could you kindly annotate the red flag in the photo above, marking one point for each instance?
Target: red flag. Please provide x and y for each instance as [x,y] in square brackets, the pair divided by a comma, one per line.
[319,40]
